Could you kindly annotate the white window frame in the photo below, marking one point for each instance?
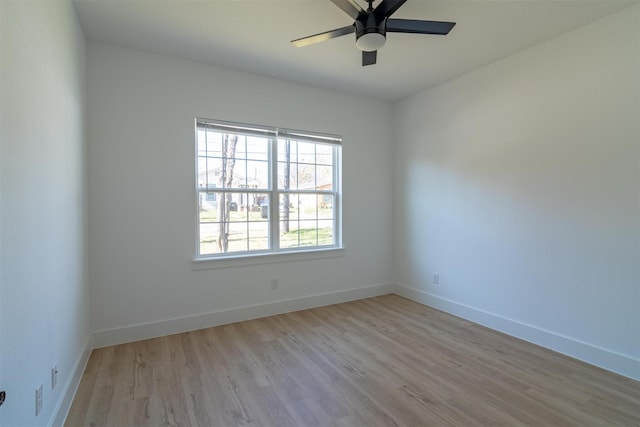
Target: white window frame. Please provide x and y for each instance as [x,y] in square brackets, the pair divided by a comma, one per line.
[283,254]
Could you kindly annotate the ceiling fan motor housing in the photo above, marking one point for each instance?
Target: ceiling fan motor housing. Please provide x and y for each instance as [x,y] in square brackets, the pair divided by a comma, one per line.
[375,32]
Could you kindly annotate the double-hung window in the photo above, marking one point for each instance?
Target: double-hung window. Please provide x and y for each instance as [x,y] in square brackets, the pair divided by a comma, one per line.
[265,190]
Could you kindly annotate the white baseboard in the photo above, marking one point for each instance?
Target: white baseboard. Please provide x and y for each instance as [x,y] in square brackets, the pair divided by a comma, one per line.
[592,354]
[61,410]
[143,331]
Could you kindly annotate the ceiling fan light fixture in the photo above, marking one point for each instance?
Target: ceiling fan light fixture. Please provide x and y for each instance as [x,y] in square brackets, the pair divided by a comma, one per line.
[370,42]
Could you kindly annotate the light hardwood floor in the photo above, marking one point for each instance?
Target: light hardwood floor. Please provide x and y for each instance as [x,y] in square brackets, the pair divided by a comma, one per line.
[383,361]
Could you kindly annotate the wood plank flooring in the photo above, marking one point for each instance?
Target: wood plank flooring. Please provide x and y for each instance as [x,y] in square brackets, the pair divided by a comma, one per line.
[383,361]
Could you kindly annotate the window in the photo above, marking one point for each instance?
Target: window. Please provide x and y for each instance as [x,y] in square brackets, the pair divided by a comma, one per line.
[265,190]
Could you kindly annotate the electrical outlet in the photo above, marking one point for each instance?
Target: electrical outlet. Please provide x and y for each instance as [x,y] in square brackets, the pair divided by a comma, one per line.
[435,278]
[54,377]
[274,284]
[38,400]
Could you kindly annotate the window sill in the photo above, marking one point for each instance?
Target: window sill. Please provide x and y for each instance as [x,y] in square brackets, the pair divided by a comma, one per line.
[266,258]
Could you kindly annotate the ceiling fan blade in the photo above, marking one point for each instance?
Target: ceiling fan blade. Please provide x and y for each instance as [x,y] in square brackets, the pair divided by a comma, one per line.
[387,8]
[327,35]
[419,27]
[351,8]
[369,58]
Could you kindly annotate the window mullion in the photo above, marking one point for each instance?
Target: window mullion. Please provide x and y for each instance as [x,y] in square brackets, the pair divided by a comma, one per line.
[337,201]
[274,203]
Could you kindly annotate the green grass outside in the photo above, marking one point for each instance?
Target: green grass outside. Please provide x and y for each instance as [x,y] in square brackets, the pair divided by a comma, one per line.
[306,237]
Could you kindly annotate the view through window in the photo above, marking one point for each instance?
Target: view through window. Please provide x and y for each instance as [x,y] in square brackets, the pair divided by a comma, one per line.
[262,189]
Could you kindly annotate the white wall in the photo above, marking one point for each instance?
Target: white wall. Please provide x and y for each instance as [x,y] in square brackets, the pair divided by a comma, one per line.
[520,186]
[141,110]
[44,296]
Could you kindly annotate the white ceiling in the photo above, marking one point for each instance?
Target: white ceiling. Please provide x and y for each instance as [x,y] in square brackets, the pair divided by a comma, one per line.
[255,35]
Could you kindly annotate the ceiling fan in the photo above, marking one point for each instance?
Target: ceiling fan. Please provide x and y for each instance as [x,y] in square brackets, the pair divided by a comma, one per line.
[371,27]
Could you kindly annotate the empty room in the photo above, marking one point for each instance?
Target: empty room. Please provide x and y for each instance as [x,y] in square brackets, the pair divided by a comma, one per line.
[319,213]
